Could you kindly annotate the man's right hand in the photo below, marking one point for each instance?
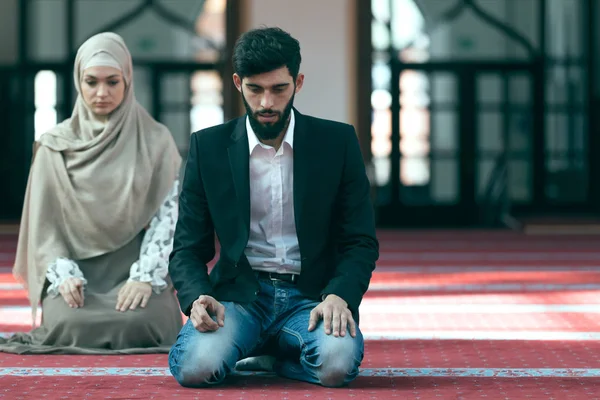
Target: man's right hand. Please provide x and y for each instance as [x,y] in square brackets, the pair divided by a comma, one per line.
[72,291]
[203,309]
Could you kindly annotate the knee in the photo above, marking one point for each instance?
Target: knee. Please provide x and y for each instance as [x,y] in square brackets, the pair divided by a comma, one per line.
[337,364]
[197,369]
[196,376]
[338,370]
[70,322]
[136,321]
[73,320]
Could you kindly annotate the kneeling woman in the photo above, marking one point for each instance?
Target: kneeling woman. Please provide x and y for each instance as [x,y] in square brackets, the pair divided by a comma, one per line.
[98,219]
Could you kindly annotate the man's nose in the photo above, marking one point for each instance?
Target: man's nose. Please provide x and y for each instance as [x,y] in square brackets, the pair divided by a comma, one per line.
[267,101]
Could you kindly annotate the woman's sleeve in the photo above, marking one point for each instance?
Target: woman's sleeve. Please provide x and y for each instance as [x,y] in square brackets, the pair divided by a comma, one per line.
[153,264]
[59,271]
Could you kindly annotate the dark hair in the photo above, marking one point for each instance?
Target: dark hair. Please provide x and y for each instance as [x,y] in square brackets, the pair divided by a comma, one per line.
[264,50]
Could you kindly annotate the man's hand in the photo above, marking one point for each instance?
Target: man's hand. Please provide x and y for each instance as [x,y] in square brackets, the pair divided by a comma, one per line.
[133,294]
[203,309]
[335,314]
[72,291]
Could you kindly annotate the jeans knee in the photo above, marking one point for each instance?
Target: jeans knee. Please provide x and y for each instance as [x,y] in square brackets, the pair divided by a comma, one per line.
[197,371]
[336,365]
[336,371]
[333,379]
[200,377]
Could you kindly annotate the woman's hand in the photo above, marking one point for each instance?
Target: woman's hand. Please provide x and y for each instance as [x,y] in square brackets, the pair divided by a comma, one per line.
[132,295]
[72,291]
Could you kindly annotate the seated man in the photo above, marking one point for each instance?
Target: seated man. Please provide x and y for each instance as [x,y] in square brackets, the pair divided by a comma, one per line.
[288,197]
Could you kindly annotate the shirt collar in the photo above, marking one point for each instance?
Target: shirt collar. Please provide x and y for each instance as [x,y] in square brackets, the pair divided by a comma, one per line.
[288,137]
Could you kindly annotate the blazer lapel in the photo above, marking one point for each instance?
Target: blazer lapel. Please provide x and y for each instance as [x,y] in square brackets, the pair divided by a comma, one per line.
[302,149]
[239,160]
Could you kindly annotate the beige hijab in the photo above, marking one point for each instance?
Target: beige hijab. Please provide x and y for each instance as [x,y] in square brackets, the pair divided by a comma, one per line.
[94,185]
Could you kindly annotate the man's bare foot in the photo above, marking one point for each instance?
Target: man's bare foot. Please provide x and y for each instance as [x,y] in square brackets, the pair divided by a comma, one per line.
[260,363]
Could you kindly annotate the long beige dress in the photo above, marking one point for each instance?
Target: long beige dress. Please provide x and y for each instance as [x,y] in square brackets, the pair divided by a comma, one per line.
[97,328]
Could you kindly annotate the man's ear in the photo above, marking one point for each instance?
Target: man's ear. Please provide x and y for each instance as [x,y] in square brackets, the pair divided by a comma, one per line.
[237,81]
[299,82]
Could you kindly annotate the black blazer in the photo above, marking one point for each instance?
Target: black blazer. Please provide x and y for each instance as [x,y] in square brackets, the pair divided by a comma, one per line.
[333,212]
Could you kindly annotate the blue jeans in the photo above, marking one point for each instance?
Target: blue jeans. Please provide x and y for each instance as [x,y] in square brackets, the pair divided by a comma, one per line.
[276,323]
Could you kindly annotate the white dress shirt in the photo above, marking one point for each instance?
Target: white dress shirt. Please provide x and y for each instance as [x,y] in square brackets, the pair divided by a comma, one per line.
[273,243]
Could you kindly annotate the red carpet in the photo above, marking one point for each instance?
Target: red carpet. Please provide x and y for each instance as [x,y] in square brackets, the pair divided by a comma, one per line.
[449,315]
[250,388]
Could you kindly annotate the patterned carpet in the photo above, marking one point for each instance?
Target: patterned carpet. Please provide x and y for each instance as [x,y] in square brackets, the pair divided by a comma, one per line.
[449,315]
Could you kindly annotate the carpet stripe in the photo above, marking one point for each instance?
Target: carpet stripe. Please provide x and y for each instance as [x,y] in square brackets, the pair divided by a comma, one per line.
[482,308]
[11,286]
[496,287]
[481,335]
[453,268]
[368,372]
[498,256]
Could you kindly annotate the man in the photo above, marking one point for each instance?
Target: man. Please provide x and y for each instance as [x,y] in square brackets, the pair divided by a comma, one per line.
[288,198]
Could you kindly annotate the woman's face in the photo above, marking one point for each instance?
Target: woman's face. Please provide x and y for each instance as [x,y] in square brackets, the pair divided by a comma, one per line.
[103,89]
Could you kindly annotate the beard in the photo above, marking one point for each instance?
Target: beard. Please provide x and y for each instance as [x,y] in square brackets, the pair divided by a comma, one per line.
[269,130]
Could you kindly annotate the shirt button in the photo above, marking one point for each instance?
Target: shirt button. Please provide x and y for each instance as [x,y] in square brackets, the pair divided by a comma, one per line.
[235,265]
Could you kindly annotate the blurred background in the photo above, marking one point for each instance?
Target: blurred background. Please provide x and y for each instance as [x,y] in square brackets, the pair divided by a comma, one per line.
[469,113]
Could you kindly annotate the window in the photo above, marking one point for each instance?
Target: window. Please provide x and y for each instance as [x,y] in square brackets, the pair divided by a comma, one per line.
[399,24]
[45,102]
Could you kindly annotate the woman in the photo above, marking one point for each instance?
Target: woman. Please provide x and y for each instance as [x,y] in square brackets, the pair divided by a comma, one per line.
[98,218]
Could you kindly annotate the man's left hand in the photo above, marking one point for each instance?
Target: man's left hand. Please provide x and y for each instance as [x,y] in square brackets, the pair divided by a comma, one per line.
[133,294]
[336,316]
